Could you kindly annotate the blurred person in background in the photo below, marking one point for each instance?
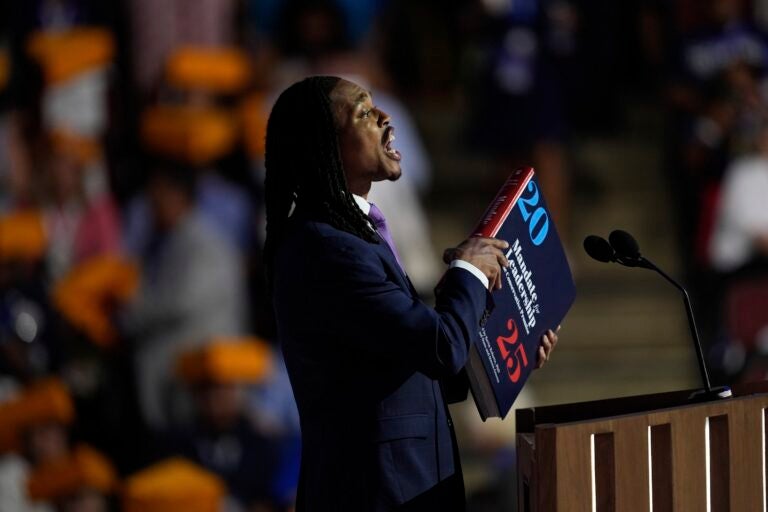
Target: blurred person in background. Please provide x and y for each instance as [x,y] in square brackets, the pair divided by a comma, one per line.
[260,467]
[159,28]
[34,430]
[285,30]
[739,244]
[225,207]
[157,33]
[93,357]
[713,38]
[273,410]
[199,127]
[74,61]
[738,252]
[83,480]
[718,65]
[265,17]
[192,288]
[81,217]
[317,34]
[29,345]
[716,92]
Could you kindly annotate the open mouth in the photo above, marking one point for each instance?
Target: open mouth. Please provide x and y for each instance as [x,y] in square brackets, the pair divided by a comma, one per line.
[386,142]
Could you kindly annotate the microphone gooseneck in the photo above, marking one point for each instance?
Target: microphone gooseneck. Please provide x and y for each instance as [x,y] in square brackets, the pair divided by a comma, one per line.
[623,249]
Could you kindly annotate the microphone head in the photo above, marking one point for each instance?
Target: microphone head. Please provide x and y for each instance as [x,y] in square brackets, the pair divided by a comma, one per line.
[599,248]
[624,244]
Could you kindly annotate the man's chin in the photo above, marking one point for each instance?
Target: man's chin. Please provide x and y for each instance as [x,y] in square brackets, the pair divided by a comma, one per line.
[395,176]
[392,174]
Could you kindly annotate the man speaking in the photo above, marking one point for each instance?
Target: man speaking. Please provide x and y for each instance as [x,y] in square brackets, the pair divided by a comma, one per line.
[369,362]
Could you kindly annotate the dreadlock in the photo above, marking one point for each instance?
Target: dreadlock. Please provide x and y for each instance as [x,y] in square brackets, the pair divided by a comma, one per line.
[304,166]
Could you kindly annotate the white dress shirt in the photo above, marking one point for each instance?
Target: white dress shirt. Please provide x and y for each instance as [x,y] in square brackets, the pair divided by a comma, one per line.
[365,206]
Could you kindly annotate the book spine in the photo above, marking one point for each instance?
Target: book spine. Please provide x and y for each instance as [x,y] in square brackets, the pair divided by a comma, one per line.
[503,203]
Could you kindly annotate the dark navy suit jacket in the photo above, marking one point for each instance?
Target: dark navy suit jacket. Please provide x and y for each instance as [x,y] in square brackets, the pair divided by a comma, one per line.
[366,358]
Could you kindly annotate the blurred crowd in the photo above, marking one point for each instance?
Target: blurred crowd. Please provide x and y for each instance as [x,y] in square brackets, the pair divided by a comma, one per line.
[138,362]
[139,368]
[716,147]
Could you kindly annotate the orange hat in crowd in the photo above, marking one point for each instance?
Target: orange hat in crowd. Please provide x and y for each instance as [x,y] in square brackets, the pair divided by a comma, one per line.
[174,484]
[83,468]
[196,135]
[22,236]
[216,70]
[62,55]
[86,294]
[227,361]
[43,402]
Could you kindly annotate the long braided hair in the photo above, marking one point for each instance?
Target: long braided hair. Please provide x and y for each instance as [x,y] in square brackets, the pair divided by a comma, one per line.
[304,166]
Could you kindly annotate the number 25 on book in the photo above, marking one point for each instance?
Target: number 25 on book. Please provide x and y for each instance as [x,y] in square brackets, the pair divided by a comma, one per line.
[516,359]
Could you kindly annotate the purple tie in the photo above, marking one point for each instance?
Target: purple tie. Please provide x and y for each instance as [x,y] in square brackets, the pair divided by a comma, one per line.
[381,226]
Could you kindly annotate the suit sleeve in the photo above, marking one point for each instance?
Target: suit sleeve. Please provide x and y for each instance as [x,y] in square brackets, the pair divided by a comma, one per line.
[381,318]
[456,387]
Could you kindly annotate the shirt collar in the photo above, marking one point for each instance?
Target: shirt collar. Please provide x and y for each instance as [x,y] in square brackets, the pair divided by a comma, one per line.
[364,205]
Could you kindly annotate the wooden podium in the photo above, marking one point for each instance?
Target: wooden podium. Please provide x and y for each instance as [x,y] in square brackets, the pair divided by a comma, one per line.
[649,453]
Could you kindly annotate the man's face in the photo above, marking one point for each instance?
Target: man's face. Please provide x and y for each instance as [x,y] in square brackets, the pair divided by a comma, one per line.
[365,138]
[46,441]
[220,405]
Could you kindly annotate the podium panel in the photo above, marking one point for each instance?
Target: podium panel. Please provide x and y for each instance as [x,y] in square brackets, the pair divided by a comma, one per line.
[651,453]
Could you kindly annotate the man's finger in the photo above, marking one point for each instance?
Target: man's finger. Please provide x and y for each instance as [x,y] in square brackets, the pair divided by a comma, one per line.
[542,358]
[497,242]
[501,259]
[495,282]
[494,242]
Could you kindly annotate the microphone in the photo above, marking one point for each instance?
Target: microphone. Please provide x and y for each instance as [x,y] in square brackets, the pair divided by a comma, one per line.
[628,250]
[599,248]
[623,249]
[624,244]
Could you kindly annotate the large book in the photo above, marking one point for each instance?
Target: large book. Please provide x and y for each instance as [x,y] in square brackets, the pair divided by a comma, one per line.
[537,292]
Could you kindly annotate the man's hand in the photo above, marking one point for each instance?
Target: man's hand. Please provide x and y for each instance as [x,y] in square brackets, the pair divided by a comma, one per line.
[548,342]
[484,253]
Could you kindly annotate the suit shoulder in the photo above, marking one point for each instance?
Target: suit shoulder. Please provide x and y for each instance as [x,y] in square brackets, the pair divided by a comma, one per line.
[323,235]
[321,251]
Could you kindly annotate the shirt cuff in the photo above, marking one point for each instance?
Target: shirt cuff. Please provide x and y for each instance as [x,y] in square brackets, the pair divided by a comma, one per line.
[472,270]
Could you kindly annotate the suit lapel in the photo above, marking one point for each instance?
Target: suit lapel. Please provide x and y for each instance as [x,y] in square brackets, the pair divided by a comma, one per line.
[390,262]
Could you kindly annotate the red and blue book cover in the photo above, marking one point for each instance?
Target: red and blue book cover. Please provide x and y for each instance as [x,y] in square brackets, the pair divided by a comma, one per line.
[537,292]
